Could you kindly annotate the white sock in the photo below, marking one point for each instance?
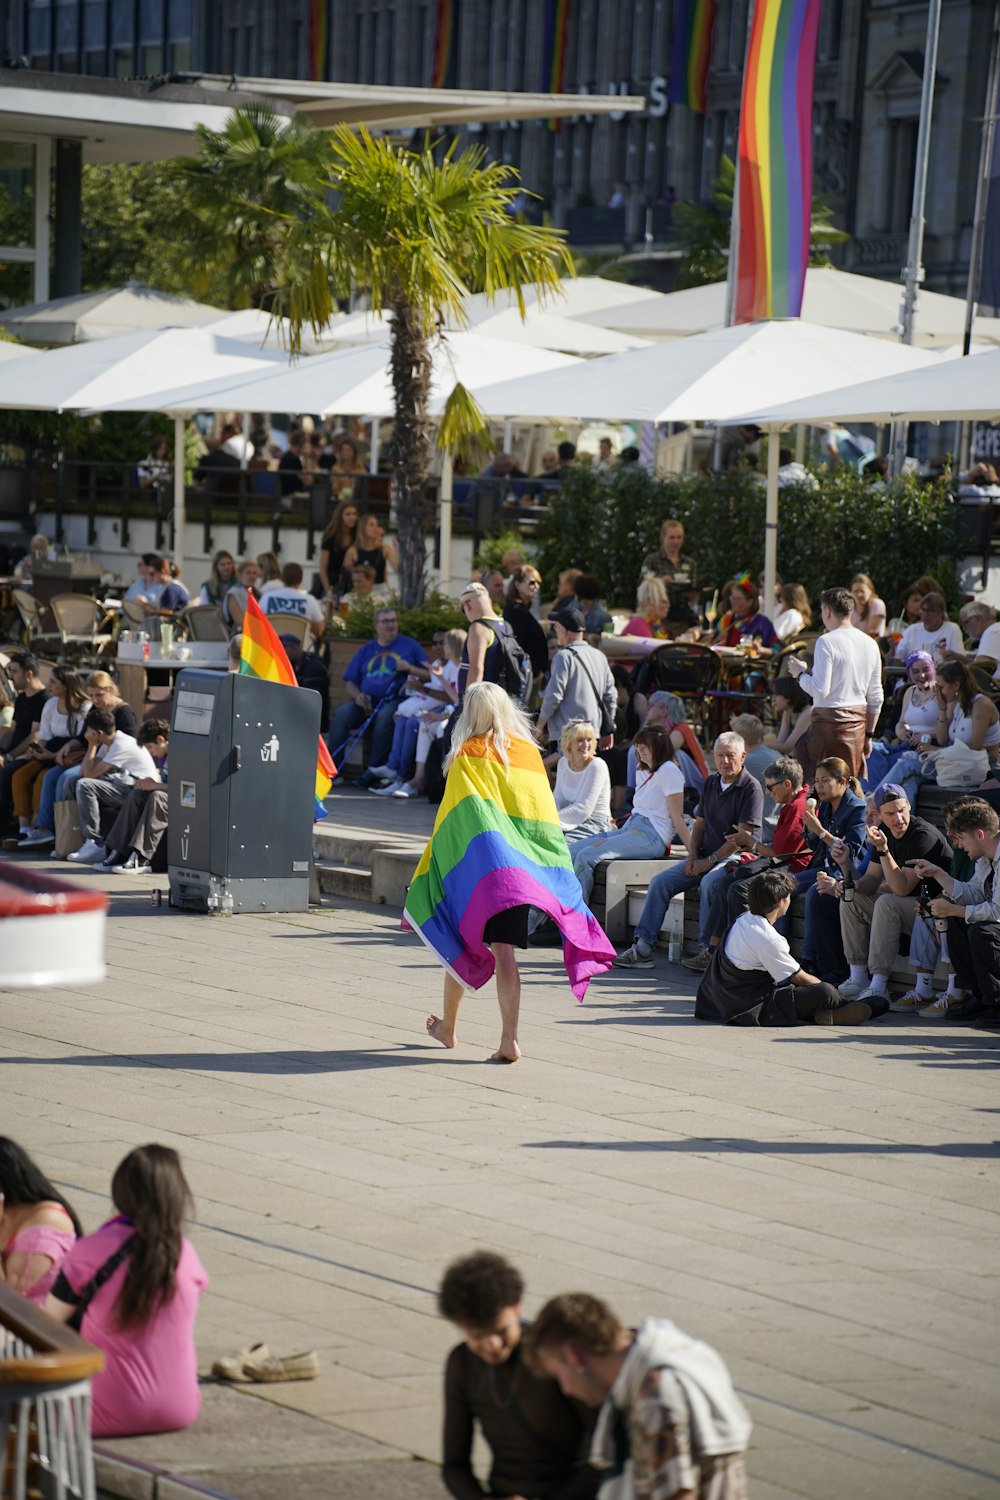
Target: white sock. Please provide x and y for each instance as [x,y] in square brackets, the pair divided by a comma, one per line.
[954,988]
[859,975]
[642,947]
[925,985]
[880,984]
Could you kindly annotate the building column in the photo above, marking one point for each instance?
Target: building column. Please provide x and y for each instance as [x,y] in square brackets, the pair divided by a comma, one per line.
[67,270]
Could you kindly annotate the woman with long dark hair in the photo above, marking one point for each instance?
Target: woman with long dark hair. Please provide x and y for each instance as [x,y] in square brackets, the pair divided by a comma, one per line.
[965,716]
[37,1225]
[132,1289]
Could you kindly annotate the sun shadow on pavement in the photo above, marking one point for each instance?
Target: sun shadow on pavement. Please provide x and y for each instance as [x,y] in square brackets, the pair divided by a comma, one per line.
[347,1061]
[742,1146]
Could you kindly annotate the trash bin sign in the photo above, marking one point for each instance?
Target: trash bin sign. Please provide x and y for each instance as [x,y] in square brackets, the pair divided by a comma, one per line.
[241,793]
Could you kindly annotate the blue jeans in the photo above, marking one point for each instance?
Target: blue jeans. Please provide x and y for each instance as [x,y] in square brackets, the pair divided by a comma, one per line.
[637,840]
[911,773]
[403,755]
[59,786]
[822,944]
[670,883]
[349,717]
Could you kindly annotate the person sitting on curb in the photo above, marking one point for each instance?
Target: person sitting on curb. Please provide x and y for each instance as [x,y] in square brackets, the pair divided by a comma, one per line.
[670,1425]
[538,1438]
[885,903]
[731,802]
[109,769]
[972,908]
[753,980]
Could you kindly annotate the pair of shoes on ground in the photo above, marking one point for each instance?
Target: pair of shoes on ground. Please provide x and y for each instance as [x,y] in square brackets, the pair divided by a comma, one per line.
[395,788]
[635,957]
[259,1366]
[92,853]
[134,865]
[934,1007]
[36,838]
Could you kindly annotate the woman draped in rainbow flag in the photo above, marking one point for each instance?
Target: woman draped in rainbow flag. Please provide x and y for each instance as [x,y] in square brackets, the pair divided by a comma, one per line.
[497,850]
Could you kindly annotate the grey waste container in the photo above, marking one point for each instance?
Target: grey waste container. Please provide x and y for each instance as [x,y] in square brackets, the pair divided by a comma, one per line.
[241,793]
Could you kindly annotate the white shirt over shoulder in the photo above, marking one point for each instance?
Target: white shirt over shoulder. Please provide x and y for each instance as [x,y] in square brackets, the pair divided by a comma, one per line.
[276,598]
[651,793]
[753,944]
[847,671]
[947,637]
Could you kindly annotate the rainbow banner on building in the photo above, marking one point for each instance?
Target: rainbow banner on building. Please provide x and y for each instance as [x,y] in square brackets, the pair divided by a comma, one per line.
[317,37]
[497,843]
[263,655]
[775,160]
[691,53]
[445,43]
[555,39]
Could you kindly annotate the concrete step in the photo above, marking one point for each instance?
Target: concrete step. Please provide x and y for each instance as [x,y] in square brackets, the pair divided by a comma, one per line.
[344,880]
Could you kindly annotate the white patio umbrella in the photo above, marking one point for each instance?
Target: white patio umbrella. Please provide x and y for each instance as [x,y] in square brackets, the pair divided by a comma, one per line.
[87,316]
[834,299]
[12,351]
[250,325]
[708,377]
[576,297]
[538,329]
[355,381]
[95,376]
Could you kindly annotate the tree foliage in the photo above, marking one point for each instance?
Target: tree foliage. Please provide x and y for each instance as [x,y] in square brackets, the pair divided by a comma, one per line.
[131,216]
[826,535]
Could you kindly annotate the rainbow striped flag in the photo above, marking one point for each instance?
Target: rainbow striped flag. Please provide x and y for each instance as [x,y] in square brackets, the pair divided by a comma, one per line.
[691,53]
[497,843]
[263,655]
[775,160]
[445,29]
[317,37]
[555,37]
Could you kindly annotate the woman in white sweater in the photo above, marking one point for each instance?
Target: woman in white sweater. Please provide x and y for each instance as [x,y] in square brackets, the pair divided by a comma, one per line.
[583,785]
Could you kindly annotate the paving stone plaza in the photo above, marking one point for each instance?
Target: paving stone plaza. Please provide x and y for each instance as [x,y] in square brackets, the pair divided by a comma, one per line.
[820,1205]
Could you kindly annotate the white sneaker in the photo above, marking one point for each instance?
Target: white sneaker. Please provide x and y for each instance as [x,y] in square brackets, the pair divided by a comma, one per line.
[405,789]
[383,771]
[850,989]
[387,791]
[92,853]
[132,866]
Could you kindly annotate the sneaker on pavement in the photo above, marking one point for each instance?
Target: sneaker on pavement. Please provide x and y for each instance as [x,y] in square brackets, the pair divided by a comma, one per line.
[132,866]
[909,1003]
[33,836]
[850,989]
[405,789]
[385,772]
[854,1013]
[936,1009]
[699,961]
[92,853]
[389,790]
[633,958]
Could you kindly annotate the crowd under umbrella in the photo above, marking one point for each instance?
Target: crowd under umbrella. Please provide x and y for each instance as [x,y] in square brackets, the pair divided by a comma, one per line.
[94,377]
[712,377]
[85,317]
[835,299]
[354,381]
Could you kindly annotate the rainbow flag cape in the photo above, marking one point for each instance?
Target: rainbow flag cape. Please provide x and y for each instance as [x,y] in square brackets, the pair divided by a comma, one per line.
[445,28]
[691,53]
[497,843]
[263,655]
[317,37]
[775,160]
[555,38]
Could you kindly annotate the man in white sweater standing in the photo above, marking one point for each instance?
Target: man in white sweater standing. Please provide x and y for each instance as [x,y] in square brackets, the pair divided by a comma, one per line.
[845,686]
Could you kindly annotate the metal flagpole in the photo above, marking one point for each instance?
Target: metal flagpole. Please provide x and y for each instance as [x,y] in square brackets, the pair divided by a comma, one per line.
[979,218]
[913,273]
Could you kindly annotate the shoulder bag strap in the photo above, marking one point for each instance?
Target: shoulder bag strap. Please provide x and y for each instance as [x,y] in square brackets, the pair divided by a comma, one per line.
[88,1292]
[602,712]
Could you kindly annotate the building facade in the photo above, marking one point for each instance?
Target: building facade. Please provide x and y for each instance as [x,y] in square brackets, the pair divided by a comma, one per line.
[609,180]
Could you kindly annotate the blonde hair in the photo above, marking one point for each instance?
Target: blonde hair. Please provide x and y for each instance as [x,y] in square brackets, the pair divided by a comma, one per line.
[649,593]
[490,713]
[576,730]
[454,642]
[101,680]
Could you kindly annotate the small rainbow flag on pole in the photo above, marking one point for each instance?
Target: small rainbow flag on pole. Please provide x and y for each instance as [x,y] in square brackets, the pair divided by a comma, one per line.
[774,180]
[445,29]
[691,53]
[555,38]
[318,32]
[263,655]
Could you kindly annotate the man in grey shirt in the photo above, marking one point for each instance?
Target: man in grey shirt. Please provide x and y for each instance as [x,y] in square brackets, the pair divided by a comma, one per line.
[580,684]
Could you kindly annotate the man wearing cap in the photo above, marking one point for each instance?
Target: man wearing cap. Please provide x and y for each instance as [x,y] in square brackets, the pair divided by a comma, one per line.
[885,906]
[309,673]
[580,685]
[482,654]
[845,686]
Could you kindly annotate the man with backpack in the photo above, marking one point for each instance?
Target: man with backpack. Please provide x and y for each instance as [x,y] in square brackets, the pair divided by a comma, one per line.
[491,652]
[580,685]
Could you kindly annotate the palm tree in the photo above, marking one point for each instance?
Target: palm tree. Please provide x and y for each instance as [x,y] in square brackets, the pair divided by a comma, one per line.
[243,191]
[418,232]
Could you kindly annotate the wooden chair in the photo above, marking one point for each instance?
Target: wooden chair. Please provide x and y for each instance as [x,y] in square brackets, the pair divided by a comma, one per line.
[82,624]
[32,614]
[203,622]
[691,672]
[298,625]
[134,613]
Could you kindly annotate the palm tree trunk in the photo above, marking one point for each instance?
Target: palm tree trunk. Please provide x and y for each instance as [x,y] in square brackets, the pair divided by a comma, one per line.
[410,364]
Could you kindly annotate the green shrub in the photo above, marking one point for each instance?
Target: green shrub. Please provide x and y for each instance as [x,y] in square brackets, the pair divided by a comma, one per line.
[826,535]
[437,612]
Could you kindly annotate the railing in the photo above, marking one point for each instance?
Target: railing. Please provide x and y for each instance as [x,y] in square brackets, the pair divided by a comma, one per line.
[45,1375]
[881,250]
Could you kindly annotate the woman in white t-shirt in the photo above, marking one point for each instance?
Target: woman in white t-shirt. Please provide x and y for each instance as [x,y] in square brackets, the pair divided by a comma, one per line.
[869,610]
[657,816]
[583,783]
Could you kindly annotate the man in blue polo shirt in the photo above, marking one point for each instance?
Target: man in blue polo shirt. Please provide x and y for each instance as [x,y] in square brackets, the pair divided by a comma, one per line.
[374,678]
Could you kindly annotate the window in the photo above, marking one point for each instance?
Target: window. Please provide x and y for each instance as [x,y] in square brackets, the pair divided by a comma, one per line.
[17,195]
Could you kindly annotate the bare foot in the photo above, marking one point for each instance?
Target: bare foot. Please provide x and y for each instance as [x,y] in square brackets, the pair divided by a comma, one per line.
[435,1029]
[506,1054]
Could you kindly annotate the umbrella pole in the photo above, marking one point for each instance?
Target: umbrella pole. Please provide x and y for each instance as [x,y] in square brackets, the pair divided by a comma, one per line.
[447,472]
[373,450]
[771,520]
[179,516]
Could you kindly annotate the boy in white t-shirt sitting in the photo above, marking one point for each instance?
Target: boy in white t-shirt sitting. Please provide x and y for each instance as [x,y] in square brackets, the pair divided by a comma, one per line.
[286,596]
[753,980]
[113,763]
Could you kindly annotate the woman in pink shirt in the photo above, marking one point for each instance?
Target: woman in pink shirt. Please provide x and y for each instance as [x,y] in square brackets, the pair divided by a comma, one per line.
[132,1289]
[37,1225]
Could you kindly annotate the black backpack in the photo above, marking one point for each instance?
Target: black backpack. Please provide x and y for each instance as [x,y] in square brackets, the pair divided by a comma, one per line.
[513,666]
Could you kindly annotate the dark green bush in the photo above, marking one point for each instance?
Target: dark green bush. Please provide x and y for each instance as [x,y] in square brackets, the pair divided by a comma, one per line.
[847,526]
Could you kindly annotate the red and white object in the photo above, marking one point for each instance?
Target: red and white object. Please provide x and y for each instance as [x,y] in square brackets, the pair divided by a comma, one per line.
[51,932]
